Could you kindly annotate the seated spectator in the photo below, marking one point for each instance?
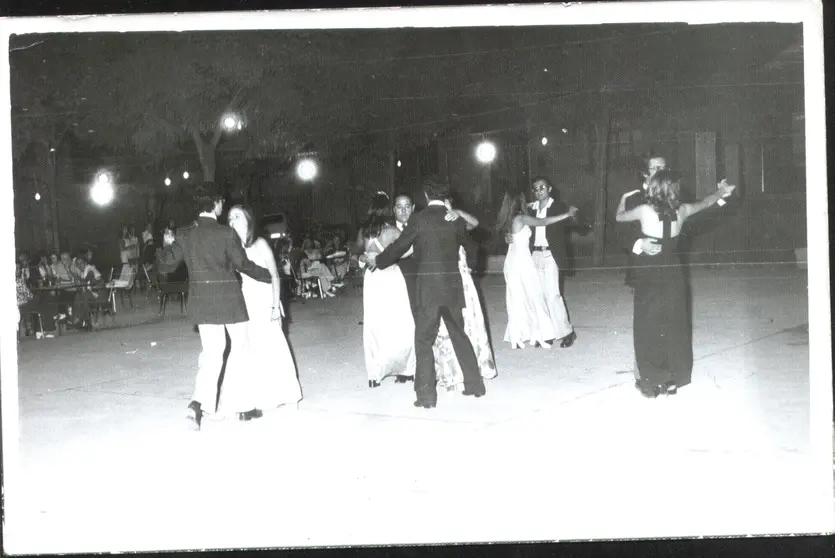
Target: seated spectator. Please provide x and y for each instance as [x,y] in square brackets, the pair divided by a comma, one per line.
[63,270]
[29,303]
[91,280]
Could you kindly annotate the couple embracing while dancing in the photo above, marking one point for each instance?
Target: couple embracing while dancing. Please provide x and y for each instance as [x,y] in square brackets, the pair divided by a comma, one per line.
[434,237]
[234,290]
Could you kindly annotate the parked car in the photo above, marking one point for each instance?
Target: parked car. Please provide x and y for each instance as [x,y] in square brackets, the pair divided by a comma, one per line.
[275,226]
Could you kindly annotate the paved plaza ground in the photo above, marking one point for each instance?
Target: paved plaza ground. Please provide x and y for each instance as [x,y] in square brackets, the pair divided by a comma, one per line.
[562,447]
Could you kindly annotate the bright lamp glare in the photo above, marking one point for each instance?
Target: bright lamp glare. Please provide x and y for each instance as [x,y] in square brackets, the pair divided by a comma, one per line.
[544,141]
[230,122]
[185,175]
[306,169]
[485,152]
[399,164]
[167,181]
[102,193]
[103,178]
[37,196]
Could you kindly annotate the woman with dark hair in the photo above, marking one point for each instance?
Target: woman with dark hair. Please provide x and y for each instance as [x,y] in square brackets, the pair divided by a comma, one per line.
[528,319]
[272,380]
[661,326]
[388,325]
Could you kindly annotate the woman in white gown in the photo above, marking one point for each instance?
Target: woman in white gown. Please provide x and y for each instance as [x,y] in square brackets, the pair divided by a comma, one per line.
[268,378]
[527,314]
[388,325]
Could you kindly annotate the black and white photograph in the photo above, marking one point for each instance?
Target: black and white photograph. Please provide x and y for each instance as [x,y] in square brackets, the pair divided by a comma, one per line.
[415,276]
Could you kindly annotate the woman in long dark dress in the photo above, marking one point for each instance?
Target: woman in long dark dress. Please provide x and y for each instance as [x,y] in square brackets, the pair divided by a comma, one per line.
[661,326]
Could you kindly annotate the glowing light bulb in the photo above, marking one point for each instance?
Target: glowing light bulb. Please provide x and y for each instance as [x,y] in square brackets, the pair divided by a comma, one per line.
[399,164]
[167,181]
[185,175]
[485,152]
[544,141]
[306,169]
[37,196]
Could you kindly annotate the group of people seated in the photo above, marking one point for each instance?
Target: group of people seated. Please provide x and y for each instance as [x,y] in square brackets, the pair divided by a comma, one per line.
[323,257]
[56,290]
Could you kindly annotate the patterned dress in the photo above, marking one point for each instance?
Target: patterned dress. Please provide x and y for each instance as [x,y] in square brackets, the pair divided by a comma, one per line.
[450,376]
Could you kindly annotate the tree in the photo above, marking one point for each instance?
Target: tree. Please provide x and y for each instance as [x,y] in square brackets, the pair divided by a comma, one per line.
[176,89]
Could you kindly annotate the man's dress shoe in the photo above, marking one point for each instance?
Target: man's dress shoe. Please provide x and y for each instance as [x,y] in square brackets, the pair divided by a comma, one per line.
[195,414]
[402,379]
[425,404]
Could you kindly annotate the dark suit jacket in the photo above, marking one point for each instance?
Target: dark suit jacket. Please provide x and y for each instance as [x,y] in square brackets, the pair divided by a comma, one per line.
[436,242]
[556,234]
[212,253]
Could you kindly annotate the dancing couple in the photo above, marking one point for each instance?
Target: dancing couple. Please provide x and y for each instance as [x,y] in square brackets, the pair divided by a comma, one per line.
[536,312]
[434,237]
[662,330]
[260,372]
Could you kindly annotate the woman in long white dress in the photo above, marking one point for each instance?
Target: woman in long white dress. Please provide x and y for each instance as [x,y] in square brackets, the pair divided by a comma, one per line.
[527,314]
[267,378]
[388,325]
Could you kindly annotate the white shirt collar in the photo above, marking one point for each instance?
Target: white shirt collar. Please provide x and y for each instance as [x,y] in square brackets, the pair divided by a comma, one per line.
[535,204]
[400,225]
[210,215]
[435,202]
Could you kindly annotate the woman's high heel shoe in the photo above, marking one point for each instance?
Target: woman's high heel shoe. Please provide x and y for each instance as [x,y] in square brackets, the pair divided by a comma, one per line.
[373,383]
[543,344]
[519,345]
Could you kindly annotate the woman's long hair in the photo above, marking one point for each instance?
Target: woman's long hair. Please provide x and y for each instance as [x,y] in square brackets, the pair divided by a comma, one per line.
[513,204]
[662,194]
[379,215]
[250,223]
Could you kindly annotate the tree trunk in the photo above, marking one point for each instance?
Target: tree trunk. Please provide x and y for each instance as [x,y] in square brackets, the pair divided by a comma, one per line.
[51,171]
[206,151]
[602,131]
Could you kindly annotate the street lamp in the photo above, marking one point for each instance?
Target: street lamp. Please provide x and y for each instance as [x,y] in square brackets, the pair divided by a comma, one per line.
[544,140]
[102,190]
[185,175]
[37,196]
[485,152]
[167,181]
[232,122]
[307,169]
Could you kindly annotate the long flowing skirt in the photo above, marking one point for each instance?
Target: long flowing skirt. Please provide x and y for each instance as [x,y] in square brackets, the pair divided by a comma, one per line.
[388,325]
[266,377]
[661,326]
[450,376]
[528,319]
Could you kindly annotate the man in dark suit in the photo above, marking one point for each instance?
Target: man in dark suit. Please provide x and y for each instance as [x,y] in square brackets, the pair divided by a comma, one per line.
[435,239]
[213,254]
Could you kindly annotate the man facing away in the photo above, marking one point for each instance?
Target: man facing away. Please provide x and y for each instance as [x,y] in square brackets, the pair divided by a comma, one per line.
[439,289]
[213,253]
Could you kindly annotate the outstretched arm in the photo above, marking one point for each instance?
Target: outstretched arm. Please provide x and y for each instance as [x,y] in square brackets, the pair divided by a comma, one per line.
[532,221]
[690,209]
